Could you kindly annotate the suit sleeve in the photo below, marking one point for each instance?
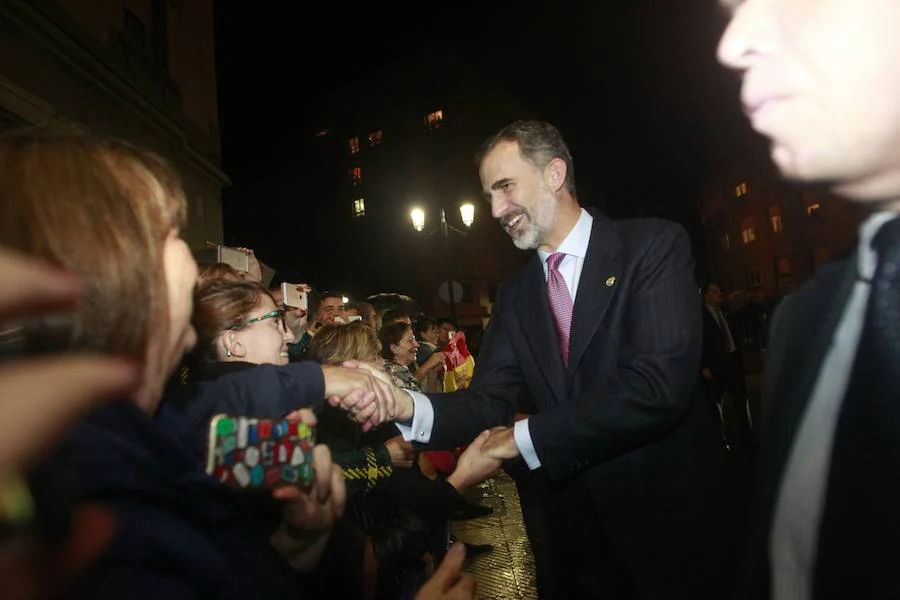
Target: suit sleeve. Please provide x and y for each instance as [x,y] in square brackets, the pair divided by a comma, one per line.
[265,391]
[653,385]
[493,396]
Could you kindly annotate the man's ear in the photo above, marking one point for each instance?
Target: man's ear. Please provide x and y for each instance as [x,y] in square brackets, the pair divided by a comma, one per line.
[555,174]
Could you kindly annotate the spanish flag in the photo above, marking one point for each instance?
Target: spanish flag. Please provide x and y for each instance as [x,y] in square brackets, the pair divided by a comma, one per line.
[460,363]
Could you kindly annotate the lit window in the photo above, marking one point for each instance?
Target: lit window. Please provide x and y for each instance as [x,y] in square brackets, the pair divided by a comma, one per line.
[435,119]
[356,175]
[812,209]
[359,207]
[375,138]
[322,133]
[748,230]
[726,242]
[775,218]
[354,145]
[740,189]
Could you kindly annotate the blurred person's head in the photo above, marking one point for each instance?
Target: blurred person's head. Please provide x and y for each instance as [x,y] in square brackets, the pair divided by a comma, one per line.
[331,305]
[294,316]
[112,214]
[395,315]
[445,328]
[427,330]
[368,314]
[238,321]
[211,271]
[335,343]
[398,344]
[712,294]
[820,81]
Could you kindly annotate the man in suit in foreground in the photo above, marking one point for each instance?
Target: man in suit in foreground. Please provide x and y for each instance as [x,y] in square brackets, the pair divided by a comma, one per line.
[820,80]
[601,333]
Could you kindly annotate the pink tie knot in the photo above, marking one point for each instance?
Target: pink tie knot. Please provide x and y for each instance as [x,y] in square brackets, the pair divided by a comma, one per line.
[554,259]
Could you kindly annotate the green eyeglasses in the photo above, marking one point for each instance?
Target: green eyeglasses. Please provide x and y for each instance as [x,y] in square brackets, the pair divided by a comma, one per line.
[275,314]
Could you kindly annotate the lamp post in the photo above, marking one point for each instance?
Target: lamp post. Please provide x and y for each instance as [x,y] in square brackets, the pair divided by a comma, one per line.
[467,215]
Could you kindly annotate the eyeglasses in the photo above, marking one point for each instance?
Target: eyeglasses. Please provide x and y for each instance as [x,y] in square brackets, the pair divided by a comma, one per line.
[275,314]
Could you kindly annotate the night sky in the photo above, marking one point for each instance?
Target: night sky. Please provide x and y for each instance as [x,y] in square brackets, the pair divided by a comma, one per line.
[633,86]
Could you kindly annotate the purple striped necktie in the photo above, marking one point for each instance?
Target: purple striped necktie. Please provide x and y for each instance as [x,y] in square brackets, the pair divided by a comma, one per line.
[560,303]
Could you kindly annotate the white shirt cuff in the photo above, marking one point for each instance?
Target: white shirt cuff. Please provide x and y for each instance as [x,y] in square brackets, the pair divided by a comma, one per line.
[526,446]
[422,422]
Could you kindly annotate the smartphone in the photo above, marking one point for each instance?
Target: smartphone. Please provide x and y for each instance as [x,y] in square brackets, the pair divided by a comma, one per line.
[347,320]
[292,297]
[247,453]
[238,259]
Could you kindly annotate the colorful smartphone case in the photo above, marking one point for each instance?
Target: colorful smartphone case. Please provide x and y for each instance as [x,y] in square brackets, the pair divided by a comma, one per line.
[249,453]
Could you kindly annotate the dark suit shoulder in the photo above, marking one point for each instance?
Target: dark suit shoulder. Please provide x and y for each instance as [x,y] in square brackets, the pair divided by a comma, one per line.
[816,292]
[648,228]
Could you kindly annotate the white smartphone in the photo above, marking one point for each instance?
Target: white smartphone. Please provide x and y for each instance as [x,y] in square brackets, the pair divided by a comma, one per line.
[347,320]
[238,259]
[293,297]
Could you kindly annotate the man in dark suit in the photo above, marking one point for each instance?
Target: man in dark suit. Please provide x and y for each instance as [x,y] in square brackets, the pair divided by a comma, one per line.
[830,429]
[722,365]
[601,333]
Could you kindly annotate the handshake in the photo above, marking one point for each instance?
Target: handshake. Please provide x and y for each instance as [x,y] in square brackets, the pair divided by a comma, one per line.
[370,398]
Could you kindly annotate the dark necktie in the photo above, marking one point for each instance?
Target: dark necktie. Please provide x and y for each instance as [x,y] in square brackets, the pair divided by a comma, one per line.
[560,303]
[860,517]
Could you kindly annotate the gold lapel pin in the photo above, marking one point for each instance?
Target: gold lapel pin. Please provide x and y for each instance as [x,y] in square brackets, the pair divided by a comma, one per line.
[611,281]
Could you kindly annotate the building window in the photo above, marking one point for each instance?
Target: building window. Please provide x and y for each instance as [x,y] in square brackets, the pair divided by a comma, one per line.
[748,230]
[775,218]
[375,138]
[359,208]
[740,190]
[812,209]
[354,145]
[726,242]
[435,119]
[754,277]
[356,175]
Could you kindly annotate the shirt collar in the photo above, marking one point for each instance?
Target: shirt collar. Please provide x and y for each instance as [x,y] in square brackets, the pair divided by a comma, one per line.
[576,243]
[867,257]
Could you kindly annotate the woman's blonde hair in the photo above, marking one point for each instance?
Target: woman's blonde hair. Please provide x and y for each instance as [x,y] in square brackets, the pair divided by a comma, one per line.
[335,343]
[102,209]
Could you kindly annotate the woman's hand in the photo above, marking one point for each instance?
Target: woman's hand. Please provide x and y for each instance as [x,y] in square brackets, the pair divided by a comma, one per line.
[403,454]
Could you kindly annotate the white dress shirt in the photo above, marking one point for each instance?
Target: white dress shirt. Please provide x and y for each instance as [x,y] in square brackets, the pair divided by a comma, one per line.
[574,246]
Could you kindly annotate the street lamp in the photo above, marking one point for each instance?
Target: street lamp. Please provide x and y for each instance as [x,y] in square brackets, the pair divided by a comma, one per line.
[467,215]
[418,218]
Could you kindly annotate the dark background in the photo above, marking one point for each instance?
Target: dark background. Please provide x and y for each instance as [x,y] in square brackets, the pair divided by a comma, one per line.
[634,87]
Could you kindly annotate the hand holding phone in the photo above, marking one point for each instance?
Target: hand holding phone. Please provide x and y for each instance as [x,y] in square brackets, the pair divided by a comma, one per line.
[237,258]
[293,295]
[248,453]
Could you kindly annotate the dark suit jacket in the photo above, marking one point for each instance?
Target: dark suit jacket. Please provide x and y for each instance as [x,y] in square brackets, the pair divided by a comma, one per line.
[624,419]
[859,529]
[714,342]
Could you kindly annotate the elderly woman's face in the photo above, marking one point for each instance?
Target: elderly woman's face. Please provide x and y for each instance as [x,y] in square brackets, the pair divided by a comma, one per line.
[405,350]
[181,277]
